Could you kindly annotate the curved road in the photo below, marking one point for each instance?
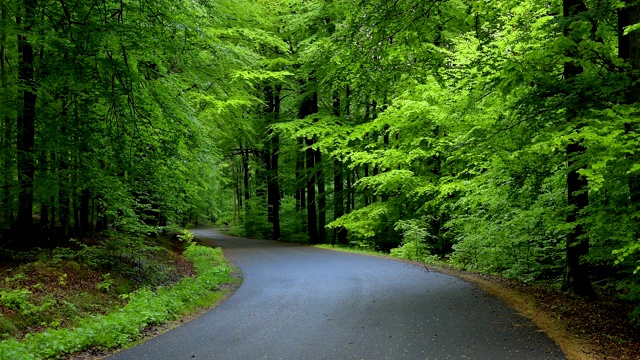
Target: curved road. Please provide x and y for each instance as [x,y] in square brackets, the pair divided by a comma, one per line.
[299,302]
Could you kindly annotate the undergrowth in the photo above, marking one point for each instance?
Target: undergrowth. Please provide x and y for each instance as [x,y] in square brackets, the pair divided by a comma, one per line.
[89,325]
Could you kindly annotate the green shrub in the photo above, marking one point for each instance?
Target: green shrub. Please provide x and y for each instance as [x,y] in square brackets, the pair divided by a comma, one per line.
[18,300]
[7,328]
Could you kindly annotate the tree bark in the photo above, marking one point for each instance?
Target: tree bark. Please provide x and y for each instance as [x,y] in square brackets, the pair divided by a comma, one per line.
[322,200]
[629,49]
[7,165]
[44,207]
[339,233]
[312,226]
[26,124]
[576,273]
[245,172]
[309,106]
[274,187]
[300,184]
[85,225]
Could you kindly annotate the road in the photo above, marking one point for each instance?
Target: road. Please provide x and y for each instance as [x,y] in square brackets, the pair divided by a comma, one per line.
[299,302]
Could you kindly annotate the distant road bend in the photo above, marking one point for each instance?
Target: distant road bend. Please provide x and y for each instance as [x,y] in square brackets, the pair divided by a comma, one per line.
[299,302]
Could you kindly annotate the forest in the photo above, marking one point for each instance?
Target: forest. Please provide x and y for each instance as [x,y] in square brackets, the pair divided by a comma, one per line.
[501,136]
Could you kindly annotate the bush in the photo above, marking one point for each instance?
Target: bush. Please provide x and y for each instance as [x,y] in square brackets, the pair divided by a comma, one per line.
[7,328]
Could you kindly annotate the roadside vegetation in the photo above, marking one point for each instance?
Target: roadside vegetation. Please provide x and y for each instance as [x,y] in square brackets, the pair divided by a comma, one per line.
[103,293]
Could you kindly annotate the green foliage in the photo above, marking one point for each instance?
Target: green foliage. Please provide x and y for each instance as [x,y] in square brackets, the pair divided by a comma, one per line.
[144,308]
[7,328]
[18,300]
[414,246]
[292,220]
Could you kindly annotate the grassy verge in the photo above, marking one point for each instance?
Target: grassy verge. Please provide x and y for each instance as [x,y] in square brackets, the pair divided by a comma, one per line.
[141,309]
[352,250]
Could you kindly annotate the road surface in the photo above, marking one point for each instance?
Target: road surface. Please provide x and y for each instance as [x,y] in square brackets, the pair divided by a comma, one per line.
[299,302]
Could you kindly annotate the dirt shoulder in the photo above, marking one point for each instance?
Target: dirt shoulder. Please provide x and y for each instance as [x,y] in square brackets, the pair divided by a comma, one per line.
[583,329]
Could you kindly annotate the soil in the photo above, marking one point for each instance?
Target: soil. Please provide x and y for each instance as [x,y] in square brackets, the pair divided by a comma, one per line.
[65,290]
[582,328]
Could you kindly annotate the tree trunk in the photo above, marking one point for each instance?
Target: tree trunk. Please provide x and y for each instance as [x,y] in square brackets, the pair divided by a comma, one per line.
[44,207]
[312,226]
[300,185]
[7,166]
[274,187]
[339,233]
[576,273]
[85,225]
[63,182]
[101,209]
[310,106]
[76,212]
[322,199]
[26,123]
[629,49]
[245,172]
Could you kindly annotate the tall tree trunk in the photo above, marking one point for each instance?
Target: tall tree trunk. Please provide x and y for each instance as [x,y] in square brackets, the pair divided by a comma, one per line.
[76,212]
[322,199]
[44,207]
[7,165]
[245,172]
[274,187]
[312,226]
[339,233]
[300,184]
[63,180]
[26,124]
[85,225]
[310,106]
[629,49]
[365,196]
[576,273]
[101,209]
[271,160]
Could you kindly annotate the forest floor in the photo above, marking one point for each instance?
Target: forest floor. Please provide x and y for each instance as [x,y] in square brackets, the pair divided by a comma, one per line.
[56,288]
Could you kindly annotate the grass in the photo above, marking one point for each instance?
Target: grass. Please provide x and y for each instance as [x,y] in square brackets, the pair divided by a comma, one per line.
[353,250]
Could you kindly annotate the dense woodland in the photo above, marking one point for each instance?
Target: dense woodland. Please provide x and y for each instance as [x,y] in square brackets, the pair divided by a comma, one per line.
[501,135]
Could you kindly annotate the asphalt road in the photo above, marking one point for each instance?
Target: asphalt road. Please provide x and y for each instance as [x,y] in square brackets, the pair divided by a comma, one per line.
[298,302]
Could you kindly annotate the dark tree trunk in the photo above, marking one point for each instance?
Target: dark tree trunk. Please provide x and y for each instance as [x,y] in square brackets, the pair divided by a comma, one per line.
[85,225]
[339,233]
[44,207]
[301,204]
[26,123]
[312,226]
[7,164]
[63,186]
[322,200]
[245,172]
[310,106]
[271,161]
[76,213]
[576,273]
[274,187]
[101,209]
[629,49]
[367,201]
